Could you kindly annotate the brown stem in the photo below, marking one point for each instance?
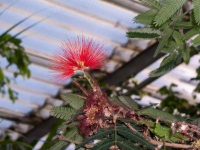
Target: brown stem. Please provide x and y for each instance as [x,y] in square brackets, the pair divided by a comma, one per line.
[83,89]
[174,145]
[62,138]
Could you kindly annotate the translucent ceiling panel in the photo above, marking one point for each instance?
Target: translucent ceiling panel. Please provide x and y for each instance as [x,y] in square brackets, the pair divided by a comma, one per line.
[75,20]
[29,97]
[195,61]
[16,107]
[104,10]
[147,100]
[5,124]
[34,85]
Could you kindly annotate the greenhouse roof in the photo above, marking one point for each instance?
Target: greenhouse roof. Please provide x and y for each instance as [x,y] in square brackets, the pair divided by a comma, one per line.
[53,21]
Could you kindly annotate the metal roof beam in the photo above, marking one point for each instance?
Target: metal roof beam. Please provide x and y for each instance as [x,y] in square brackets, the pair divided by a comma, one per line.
[134,66]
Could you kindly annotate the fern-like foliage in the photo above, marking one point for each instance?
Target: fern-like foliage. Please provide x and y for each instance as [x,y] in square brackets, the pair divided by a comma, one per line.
[151,3]
[59,145]
[157,114]
[104,144]
[126,144]
[165,38]
[62,112]
[196,41]
[71,134]
[101,134]
[146,17]
[196,11]
[191,33]
[136,137]
[129,102]
[143,33]
[169,8]
[124,138]
[167,64]
[73,100]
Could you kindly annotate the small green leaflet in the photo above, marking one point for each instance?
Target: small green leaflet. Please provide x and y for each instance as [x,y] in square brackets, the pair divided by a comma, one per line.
[73,100]
[1,75]
[157,114]
[143,33]
[183,25]
[169,8]
[104,144]
[177,37]
[62,112]
[196,11]
[186,54]
[129,102]
[196,41]
[163,132]
[146,17]
[167,64]
[191,33]
[165,38]
[136,137]
[151,3]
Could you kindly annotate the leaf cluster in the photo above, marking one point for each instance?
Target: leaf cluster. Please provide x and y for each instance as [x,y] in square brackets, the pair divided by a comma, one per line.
[177,36]
[172,102]
[121,135]
[14,52]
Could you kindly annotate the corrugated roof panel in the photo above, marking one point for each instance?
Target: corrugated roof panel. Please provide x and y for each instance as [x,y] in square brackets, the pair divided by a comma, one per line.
[34,85]
[5,124]
[16,107]
[79,21]
[38,100]
[111,13]
[57,33]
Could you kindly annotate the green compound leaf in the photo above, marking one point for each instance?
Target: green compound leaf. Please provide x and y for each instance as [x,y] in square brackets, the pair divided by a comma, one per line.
[196,11]
[196,41]
[157,114]
[169,8]
[186,54]
[191,33]
[99,135]
[151,3]
[136,137]
[177,37]
[129,102]
[59,145]
[1,75]
[103,145]
[163,132]
[167,64]
[115,100]
[73,100]
[146,17]
[127,145]
[62,112]
[143,33]
[164,40]
[183,25]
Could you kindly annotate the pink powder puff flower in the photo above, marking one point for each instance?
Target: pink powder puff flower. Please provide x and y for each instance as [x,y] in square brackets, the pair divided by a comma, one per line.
[77,55]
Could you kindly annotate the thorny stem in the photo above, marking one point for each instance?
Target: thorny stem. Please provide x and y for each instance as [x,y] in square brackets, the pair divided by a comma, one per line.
[62,138]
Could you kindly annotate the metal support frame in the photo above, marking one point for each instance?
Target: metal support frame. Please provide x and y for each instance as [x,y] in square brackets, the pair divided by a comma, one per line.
[134,66]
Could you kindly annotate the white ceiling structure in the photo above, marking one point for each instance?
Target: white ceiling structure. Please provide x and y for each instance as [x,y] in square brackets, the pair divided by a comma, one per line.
[58,20]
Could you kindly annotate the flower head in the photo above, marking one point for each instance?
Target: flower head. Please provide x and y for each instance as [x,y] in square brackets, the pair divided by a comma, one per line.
[78,55]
